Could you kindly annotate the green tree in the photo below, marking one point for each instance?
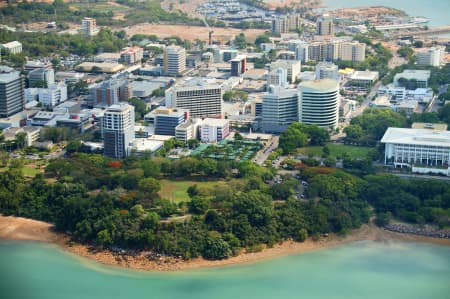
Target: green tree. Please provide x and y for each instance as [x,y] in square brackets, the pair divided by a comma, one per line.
[149,186]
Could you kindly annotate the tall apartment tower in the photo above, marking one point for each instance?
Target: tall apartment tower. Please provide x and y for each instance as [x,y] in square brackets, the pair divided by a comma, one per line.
[280,108]
[319,103]
[430,56]
[89,27]
[325,25]
[118,130]
[12,97]
[174,60]
[353,51]
[201,98]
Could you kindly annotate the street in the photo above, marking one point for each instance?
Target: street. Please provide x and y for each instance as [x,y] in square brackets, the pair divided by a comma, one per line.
[264,153]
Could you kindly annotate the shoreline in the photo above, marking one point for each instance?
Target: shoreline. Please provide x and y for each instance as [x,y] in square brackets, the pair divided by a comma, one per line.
[17,228]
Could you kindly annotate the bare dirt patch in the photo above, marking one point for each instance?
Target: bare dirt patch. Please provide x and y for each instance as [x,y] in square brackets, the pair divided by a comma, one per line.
[191,32]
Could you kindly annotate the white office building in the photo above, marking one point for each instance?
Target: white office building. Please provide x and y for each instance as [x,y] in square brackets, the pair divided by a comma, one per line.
[280,108]
[40,76]
[327,70]
[421,150]
[197,95]
[118,130]
[214,130]
[53,95]
[277,77]
[174,60]
[319,104]
[292,67]
[430,56]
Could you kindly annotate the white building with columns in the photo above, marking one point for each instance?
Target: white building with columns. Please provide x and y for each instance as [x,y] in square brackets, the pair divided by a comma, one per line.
[421,150]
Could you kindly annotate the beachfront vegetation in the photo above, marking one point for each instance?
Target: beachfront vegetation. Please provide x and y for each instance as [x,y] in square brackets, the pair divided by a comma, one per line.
[106,202]
[218,208]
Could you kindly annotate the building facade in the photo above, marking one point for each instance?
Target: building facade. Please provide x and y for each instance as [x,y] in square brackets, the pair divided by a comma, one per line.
[89,27]
[280,108]
[166,120]
[325,25]
[53,95]
[118,130]
[293,68]
[238,65]
[430,56]
[131,55]
[14,47]
[327,70]
[202,99]
[12,86]
[41,77]
[174,60]
[319,104]
[111,92]
[214,130]
[421,150]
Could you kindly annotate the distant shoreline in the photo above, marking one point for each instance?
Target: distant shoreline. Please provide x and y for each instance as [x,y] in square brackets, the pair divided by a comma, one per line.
[17,228]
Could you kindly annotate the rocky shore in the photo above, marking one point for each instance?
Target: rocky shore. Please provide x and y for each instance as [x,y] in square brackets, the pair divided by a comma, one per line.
[420,231]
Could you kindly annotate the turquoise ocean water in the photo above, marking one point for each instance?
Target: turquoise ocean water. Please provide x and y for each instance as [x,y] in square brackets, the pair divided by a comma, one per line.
[366,270]
[437,10]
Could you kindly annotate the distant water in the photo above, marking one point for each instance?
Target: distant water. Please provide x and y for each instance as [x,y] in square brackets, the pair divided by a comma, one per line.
[437,10]
[366,270]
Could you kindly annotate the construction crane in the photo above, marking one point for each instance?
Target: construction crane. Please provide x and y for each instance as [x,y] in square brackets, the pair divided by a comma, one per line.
[210,33]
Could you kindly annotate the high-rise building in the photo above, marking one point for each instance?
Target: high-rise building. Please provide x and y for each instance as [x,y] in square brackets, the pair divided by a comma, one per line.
[327,70]
[285,23]
[238,65]
[166,120]
[337,50]
[292,67]
[11,91]
[111,92]
[279,109]
[430,56]
[89,27]
[200,97]
[353,51]
[277,77]
[325,25]
[118,130]
[302,52]
[41,77]
[174,60]
[319,104]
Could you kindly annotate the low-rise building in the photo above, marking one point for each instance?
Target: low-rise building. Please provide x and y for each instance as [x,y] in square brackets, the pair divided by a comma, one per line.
[430,56]
[362,80]
[214,130]
[421,150]
[412,79]
[166,120]
[187,130]
[131,55]
[14,47]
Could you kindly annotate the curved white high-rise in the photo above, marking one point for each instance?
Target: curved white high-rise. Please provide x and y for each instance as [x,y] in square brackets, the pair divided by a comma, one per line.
[319,103]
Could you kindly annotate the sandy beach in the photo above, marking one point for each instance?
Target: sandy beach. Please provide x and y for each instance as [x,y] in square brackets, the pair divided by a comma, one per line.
[16,228]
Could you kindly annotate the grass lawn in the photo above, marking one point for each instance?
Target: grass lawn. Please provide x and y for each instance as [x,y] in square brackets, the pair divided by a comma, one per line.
[337,150]
[176,190]
[30,169]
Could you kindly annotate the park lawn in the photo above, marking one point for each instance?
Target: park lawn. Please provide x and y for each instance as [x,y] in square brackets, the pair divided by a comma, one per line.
[337,150]
[29,170]
[176,190]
